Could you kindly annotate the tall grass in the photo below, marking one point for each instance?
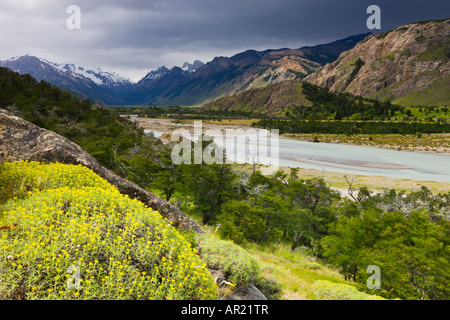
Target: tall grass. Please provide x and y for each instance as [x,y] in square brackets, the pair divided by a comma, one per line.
[301,276]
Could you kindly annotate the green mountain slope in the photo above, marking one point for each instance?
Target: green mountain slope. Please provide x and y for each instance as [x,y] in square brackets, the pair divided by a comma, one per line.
[274,99]
[301,100]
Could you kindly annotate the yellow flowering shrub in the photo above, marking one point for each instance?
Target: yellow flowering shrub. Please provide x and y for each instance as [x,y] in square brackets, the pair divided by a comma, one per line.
[18,178]
[87,241]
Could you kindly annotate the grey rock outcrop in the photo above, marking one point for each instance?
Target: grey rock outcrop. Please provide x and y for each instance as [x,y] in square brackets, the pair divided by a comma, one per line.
[22,140]
[249,292]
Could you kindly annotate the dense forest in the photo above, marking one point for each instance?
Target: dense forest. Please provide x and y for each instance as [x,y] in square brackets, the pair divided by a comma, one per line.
[405,234]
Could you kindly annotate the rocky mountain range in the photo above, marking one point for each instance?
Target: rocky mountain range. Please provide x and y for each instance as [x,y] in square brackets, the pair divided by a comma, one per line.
[106,87]
[409,65]
[190,84]
[224,76]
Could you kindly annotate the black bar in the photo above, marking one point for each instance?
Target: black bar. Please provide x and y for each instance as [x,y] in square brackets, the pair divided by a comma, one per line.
[164,310]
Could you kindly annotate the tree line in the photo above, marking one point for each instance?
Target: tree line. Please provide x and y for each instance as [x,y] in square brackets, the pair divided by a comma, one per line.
[351,127]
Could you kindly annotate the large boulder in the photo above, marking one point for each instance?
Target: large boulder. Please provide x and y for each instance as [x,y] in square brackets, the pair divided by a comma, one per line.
[22,140]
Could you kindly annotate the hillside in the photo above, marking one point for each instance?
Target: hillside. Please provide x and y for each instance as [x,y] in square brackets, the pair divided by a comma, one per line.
[298,99]
[409,65]
[273,99]
[111,247]
[67,220]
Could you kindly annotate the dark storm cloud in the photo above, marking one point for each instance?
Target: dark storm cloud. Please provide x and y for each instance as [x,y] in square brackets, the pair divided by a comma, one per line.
[133,36]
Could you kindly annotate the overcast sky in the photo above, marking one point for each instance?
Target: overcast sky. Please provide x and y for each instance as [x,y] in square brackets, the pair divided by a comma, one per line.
[131,37]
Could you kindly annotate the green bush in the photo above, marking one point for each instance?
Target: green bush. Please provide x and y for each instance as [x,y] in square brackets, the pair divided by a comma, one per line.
[314,266]
[269,287]
[241,222]
[240,266]
[326,290]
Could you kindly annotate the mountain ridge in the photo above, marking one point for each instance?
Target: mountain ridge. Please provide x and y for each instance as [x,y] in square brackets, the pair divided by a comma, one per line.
[224,76]
[407,66]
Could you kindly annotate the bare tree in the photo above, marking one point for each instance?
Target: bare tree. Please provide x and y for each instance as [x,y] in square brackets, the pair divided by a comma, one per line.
[297,238]
[350,189]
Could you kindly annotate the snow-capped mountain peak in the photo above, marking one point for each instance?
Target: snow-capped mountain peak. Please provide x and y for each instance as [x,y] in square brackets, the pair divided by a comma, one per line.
[155,74]
[105,86]
[33,64]
[192,67]
[97,75]
[161,71]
